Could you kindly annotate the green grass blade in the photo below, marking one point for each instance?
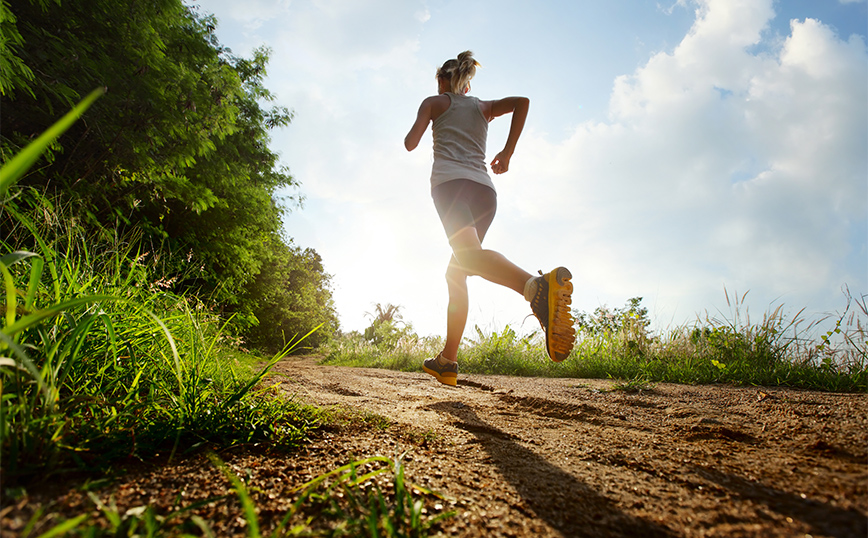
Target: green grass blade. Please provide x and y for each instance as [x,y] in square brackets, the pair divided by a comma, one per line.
[243,496]
[65,527]
[35,275]
[15,257]
[11,294]
[32,319]
[18,165]
[267,368]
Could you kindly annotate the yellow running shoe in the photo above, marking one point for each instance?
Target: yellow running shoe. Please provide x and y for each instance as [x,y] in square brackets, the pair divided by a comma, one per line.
[551,306]
[444,373]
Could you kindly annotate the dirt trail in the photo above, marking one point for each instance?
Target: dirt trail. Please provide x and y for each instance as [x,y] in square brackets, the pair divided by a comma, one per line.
[529,457]
[569,457]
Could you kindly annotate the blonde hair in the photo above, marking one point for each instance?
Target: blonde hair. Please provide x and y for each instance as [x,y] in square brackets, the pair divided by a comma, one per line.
[459,71]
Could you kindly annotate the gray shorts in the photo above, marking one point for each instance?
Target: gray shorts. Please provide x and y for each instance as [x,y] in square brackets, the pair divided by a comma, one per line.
[463,203]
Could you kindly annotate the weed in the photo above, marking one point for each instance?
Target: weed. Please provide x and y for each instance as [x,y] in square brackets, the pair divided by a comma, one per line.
[635,385]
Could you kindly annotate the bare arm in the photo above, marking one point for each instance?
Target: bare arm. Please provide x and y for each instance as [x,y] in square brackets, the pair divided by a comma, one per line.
[423,118]
[519,107]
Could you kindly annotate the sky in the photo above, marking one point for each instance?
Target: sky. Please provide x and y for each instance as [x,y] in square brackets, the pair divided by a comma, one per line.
[680,151]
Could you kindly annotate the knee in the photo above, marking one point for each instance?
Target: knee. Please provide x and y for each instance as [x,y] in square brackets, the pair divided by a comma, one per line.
[466,258]
[455,275]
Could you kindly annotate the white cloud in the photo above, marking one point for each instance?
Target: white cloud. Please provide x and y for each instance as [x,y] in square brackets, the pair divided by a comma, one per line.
[735,168]
[251,14]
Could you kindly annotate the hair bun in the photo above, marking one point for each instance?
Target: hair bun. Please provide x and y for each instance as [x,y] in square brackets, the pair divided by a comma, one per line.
[459,71]
[467,62]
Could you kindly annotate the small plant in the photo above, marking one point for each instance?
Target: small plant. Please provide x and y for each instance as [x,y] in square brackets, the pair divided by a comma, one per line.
[352,502]
[638,384]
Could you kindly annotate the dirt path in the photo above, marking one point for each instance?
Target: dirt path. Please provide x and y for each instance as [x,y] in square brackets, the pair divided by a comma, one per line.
[528,457]
[567,457]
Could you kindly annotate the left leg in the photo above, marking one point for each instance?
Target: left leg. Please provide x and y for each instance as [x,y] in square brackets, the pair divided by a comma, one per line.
[456,313]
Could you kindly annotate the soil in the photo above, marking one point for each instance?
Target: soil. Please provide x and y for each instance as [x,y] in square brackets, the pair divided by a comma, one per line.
[547,457]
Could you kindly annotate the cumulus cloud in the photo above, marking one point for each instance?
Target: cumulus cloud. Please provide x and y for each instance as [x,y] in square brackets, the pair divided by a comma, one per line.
[733,167]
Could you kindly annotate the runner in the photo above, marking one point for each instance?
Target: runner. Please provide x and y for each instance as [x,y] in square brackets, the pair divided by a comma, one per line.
[466,201]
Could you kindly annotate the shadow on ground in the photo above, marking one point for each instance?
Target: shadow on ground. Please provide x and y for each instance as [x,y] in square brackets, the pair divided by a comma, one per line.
[823,518]
[555,496]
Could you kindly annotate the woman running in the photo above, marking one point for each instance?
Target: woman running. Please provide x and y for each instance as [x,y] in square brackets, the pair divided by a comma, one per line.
[466,201]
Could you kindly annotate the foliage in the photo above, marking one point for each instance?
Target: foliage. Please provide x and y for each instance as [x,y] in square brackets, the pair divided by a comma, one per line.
[617,344]
[387,327]
[605,320]
[387,313]
[177,147]
[293,292]
[13,71]
[90,373]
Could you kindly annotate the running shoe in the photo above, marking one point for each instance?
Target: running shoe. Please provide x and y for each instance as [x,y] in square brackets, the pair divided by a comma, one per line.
[444,373]
[551,306]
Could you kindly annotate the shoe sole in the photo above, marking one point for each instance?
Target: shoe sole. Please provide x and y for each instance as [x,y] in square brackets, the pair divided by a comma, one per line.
[561,335]
[451,380]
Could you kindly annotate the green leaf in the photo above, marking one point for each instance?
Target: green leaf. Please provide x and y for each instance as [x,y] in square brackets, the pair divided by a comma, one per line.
[63,528]
[30,320]
[18,165]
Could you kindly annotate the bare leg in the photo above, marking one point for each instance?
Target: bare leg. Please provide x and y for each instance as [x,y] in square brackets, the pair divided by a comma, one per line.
[488,264]
[456,314]
[470,259]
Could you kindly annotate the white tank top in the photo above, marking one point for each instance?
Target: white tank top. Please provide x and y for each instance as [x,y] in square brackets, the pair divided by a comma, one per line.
[460,134]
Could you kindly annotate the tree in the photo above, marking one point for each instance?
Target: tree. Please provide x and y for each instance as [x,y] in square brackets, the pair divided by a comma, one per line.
[171,96]
[178,147]
[290,297]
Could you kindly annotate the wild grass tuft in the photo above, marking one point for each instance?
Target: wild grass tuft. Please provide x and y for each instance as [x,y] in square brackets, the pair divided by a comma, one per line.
[99,360]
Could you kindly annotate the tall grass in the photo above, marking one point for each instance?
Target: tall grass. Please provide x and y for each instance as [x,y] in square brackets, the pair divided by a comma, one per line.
[402,350]
[99,360]
[106,361]
[777,350]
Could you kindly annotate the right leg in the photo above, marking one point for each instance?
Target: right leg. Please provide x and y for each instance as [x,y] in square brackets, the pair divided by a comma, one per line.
[466,210]
[489,264]
[470,259]
[549,294]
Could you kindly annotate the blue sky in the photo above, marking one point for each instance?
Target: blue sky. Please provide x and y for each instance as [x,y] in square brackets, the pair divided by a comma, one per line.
[673,149]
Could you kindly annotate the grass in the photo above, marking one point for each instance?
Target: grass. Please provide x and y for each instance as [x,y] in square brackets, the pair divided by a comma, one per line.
[95,374]
[368,497]
[778,350]
[100,363]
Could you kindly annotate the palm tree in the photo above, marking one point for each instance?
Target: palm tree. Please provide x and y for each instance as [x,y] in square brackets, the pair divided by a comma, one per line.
[385,313]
